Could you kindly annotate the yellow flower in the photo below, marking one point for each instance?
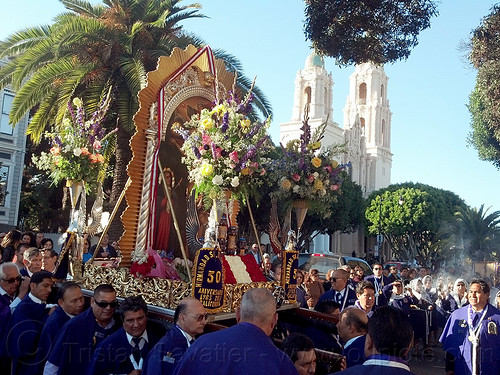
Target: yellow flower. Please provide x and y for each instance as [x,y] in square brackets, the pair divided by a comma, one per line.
[77,102]
[207,123]
[245,124]
[206,169]
[316,162]
[217,109]
[314,146]
[318,185]
[335,164]
[212,194]
[245,171]
[286,184]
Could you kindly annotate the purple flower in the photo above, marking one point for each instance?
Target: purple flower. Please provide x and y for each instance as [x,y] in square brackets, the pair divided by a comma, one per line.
[196,152]
[214,151]
[225,122]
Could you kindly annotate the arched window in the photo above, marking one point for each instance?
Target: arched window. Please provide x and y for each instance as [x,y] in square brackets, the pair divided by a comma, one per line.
[362,93]
[307,93]
[382,98]
[362,122]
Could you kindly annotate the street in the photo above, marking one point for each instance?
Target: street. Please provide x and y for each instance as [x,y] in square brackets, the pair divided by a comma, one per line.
[424,365]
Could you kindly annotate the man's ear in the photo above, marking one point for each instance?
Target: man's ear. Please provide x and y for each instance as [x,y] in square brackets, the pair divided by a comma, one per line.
[238,314]
[369,346]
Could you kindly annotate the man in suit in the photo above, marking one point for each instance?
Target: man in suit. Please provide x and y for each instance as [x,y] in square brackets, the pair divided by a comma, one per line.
[125,350]
[341,292]
[105,249]
[388,341]
[70,304]
[79,337]
[471,336]
[379,280]
[25,325]
[244,348]
[300,349]
[352,328]
[190,320]
[32,259]
[13,287]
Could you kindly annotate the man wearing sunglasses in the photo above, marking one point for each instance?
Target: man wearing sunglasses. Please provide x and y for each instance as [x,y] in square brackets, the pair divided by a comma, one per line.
[190,319]
[13,287]
[25,325]
[342,292]
[125,350]
[379,281]
[73,350]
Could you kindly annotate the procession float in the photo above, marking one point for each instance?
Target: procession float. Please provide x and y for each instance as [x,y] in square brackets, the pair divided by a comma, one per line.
[199,154]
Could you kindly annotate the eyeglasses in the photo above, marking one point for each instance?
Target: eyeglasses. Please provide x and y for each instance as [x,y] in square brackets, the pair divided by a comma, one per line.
[13,280]
[104,304]
[377,268]
[199,317]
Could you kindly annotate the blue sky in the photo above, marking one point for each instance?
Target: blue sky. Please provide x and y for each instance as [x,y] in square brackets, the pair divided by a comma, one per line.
[428,92]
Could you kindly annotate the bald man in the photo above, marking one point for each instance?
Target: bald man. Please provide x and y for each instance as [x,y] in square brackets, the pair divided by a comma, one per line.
[241,349]
[352,328]
[342,291]
[190,319]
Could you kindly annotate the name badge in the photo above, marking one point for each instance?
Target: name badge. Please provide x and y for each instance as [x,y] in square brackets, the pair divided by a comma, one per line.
[168,358]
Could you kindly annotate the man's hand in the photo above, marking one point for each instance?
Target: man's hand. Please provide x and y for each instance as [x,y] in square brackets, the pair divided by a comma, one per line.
[24,287]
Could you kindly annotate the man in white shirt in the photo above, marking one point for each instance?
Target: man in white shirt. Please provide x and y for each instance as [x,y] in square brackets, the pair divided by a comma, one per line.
[352,328]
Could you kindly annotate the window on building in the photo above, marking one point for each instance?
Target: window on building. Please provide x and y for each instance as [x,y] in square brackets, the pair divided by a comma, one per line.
[4,178]
[362,93]
[307,93]
[5,127]
[383,140]
[362,121]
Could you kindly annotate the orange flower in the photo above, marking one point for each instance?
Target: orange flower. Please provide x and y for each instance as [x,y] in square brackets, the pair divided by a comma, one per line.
[100,158]
[93,158]
[85,151]
[55,150]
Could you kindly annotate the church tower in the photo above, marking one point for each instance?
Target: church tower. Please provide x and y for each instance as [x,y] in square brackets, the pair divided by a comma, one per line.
[367,112]
[313,90]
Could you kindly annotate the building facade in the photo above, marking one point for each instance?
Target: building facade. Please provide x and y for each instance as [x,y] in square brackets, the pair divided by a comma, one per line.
[12,152]
[366,132]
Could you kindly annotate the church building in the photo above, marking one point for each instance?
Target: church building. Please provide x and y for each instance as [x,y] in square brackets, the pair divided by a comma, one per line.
[366,132]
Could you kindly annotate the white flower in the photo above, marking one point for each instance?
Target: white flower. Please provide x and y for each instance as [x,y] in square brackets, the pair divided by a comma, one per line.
[316,174]
[296,188]
[322,192]
[235,182]
[97,145]
[217,180]
[77,151]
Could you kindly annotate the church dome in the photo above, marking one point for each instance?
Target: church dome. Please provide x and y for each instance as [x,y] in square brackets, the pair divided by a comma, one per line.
[314,60]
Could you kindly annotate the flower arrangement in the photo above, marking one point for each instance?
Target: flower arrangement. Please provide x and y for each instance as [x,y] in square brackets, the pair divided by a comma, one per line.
[223,148]
[307,172]
[78,146]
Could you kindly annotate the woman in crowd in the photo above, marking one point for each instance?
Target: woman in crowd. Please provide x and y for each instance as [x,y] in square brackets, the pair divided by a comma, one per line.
[29,238]
[301,290]
[314,287]
[458,296]
[47,244]
[9,245]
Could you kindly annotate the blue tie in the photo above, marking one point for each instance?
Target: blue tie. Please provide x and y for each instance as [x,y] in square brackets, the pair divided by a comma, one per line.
[136,350]
[338,297]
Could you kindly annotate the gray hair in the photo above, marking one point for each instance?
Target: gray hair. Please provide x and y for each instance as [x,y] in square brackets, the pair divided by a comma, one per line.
[257,305]
[5,265]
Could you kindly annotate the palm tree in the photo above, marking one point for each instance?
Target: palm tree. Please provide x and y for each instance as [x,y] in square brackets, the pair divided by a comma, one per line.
[480,231]
[90,48]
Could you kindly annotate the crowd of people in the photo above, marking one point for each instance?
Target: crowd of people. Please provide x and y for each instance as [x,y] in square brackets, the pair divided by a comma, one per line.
[48,329]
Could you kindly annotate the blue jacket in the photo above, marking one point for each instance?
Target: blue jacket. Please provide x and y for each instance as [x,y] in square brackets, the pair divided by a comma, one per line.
[167,353]
[75,345]
[355,352]
[112,356]
[379,364]
[348,299]
[22,335]
[380,298]
[243,349]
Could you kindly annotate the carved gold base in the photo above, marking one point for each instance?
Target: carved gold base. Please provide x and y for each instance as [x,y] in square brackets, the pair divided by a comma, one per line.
[163,292]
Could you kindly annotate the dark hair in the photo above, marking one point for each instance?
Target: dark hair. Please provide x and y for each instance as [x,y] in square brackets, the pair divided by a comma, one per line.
[376,264]
[45,240]
[483,284]
[66,286]
[133,304]
[32,238]
[39,276]
[327,306]
[362,285]
[23,247]
[11,237]
[382,326]
[104,288]
[296,342]
[180,309]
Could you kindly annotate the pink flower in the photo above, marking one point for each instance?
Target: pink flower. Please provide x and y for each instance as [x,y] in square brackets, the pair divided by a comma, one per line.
[218,152]
[310,178]
[97,145]
[262,172]
[296,177]
[329,169]
[234,157]
[206,139]
[334,187]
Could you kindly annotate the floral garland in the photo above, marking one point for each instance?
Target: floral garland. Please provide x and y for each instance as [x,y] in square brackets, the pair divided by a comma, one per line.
[78,146]
[306,172]
[223,148]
